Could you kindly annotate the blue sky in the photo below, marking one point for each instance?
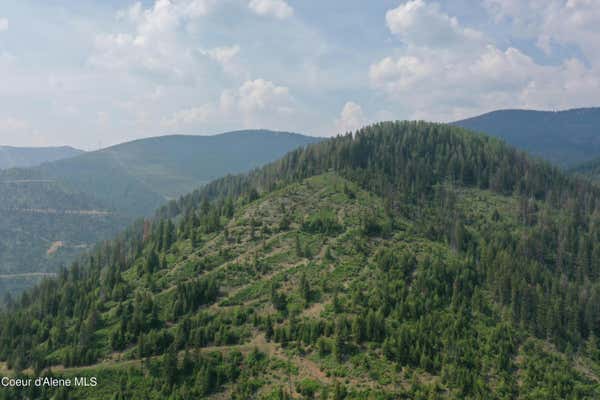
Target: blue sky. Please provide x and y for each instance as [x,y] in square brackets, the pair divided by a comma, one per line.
[95,73]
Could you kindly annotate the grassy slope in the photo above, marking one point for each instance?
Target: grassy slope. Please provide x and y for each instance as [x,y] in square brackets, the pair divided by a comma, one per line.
[252,253]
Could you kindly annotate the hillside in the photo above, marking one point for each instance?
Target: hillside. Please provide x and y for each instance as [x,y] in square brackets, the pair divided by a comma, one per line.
[175,165]
[137,177]
[590,169]
[44,226]
[412,260]
[51,213]
[566,138]
[13,157]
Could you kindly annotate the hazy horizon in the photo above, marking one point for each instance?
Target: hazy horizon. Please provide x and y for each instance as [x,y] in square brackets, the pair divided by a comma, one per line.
[155,137]
[86,149]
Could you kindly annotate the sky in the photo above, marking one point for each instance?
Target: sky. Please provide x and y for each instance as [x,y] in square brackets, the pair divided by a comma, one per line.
[92,73]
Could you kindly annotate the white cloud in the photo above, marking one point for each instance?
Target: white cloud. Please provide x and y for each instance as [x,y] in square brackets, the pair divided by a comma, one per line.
[253,103]
[446,71]
[155,43]
[226,57]
[398,74]
[275,8]
[3,24]
[351,118]
[225,54]
[261,95]
[196,8]
[423,24]
[570,22]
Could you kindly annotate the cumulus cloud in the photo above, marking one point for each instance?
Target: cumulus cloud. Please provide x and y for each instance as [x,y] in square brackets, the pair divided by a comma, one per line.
[351,118]
[447,71]
[423,24]
[3,24]
[226,57]
[253,103]
[274,8]
[154,43]
[550,22]
[262,95]
[398,74]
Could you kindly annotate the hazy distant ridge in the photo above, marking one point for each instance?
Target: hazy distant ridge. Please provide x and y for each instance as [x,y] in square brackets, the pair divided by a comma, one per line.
[13,157]
[566,137]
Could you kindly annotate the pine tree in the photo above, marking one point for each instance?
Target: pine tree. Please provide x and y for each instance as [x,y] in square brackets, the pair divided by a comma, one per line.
[269,328]
[170,365]
[304,288]
[298,246]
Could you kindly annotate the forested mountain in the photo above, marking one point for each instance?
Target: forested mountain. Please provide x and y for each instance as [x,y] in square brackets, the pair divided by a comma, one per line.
[410,260]
[51,213]
[137,177]
[11,157]
[566,138]
[44,225]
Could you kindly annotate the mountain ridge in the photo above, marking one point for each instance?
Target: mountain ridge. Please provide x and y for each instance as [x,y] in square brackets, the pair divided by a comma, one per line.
[15,156]
[565,137]
[176,155]
[387,264]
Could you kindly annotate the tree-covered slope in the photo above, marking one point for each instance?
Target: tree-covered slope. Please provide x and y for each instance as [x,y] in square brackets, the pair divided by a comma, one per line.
[44,225]
[175,165]
[13,157]
[566,138]
[50,213]
[411,261]
[137,177]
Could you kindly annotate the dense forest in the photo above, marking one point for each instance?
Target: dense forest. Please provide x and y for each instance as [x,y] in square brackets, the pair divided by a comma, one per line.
[44,226]
[408,260]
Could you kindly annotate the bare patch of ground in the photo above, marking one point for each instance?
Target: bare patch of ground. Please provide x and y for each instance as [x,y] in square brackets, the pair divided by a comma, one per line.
[54,247]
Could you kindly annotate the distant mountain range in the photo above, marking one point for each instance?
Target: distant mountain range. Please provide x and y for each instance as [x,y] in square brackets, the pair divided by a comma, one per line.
[51,212]
[13,157]
[136,177]
[566,138]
